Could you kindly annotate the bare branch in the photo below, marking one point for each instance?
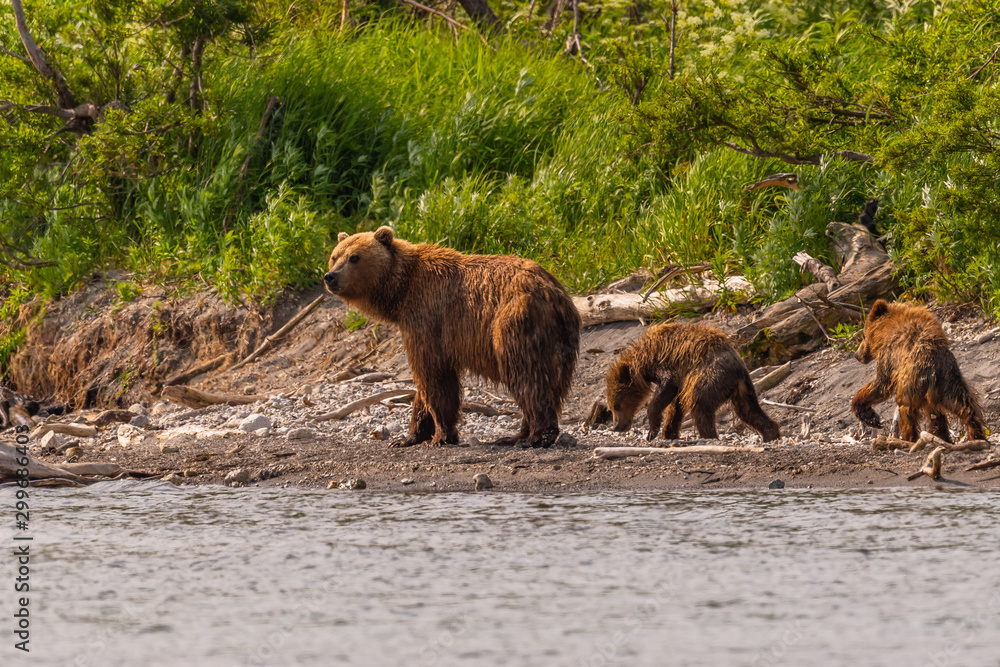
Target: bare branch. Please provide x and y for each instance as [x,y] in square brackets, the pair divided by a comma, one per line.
[447,18]
[14,55]
[66,99]
[757,151]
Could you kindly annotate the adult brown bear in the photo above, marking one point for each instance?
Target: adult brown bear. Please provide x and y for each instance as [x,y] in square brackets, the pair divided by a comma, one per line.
[503,318]
[915,365]
[695,369]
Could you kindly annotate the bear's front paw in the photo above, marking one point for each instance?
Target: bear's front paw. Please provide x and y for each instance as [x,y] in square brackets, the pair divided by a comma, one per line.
[405,442]
[868,417]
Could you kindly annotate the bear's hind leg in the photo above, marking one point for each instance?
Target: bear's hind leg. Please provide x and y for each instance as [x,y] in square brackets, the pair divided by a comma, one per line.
[747,408]
[962,403]
[938,424]
[909,423]
[510,441]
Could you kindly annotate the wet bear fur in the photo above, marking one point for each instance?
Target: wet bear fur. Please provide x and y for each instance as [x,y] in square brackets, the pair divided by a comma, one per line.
[914,364]
[688,368]
[503,318]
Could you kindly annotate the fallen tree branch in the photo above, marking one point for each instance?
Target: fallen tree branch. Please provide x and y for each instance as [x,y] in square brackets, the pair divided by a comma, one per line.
[73,430]
[985,465]
[932,466]
[774,378]
[799,325]
[671,273]
[192,373]
[281,333]
[885,443]
[108,416]
[9,467]
[365,402]
[926,438]
[809,264]
[604,308]
[195,398]
[622,452]
[787,406]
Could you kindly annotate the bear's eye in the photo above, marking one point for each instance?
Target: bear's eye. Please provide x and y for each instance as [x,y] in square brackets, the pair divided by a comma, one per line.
[354,259]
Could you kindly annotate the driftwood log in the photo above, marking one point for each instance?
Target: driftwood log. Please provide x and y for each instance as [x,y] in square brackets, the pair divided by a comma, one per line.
[194,372]
[932,466]
[72,430]
[365,402]
[798,325]
[10,463]
[698,296]
[932,440]
[16,409]
[195,398]
[985,465]
[623,452]
[810,264]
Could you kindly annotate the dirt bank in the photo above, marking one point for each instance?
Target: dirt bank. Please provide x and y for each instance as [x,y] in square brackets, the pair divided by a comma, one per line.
[304,377]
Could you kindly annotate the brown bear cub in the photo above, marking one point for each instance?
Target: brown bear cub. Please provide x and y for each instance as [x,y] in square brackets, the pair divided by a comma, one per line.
[503,318]
[914,363]
[695,370]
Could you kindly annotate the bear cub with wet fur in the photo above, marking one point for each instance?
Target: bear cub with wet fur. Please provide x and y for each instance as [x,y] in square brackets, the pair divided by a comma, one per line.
[689,369]
[914,364]
[503,318]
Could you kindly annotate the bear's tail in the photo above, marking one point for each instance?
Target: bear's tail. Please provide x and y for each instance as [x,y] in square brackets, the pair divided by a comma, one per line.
[568,327]
[748,409]
[966,406]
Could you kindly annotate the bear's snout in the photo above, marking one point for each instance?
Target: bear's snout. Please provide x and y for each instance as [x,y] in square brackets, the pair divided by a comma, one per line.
[330,279]
[622,425]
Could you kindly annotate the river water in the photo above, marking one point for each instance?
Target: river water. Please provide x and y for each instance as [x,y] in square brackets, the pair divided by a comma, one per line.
[150,574]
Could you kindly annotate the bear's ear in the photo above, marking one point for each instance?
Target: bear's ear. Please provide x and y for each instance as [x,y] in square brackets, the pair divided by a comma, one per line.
[384,235]
[879,309]
[625,373]
[342,236]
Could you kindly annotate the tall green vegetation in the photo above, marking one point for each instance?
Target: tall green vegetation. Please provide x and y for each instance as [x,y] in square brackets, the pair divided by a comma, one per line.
[592,165]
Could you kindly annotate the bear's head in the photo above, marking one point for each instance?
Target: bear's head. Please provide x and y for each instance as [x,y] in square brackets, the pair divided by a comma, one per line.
[626,392]
[878,312]
[359,263]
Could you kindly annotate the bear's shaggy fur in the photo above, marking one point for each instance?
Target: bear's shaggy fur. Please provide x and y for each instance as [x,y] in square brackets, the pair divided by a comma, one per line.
[503,318]
[696,370]
[914,363]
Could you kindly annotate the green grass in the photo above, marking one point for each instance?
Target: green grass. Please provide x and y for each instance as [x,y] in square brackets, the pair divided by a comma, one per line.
[514,151]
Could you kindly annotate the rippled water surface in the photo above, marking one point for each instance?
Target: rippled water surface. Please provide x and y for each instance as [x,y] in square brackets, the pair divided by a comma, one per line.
[145,574]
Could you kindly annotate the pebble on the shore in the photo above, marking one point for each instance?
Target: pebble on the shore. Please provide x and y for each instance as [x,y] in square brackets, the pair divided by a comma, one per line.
[483,482]
[351,484]
[129,435]
[237,477]
[254,422]
[300,434]
[52,440]
[139,421]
